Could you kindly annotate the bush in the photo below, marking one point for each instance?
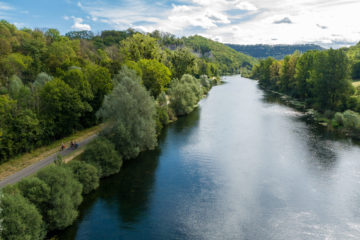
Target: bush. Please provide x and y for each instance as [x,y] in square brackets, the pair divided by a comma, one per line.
[36,191]
[205,82]
[102,154]
[339,118]
[184,94]
[20,220]
[64,198]
[351,120]
[86,174]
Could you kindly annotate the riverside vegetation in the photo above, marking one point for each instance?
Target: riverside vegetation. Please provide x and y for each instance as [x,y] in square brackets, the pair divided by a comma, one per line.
[52,85]
[322,80]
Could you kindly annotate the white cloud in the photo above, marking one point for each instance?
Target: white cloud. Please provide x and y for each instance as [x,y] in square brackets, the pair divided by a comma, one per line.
[238,21]
[79,25]
[5,6]
[246,6]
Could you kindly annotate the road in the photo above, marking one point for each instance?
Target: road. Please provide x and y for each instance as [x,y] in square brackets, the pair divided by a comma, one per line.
[39,165]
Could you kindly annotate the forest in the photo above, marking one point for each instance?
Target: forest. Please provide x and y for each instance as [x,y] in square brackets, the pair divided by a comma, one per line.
[52,85]
[278,51]
[321,79]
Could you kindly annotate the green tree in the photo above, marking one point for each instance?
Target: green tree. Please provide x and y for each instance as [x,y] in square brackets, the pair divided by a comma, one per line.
[131,112]
[102,154]
[36,191]
[304,67]
[183,61]
[184,94]
[61,108]
[65,196]
[155,76]
[330,77]
[86,174]
[140,46]
[20,220]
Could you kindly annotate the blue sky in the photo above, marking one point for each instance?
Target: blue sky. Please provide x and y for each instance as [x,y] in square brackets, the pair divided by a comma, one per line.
[326,22]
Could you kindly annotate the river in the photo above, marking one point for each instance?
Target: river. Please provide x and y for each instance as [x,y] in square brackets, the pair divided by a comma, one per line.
[241,166]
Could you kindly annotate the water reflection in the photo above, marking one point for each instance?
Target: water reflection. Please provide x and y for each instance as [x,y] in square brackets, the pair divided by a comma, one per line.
[242,166]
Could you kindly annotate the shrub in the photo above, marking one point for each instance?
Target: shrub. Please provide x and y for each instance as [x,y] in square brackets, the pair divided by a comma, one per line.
[64,198]
[102,154]
[20,220]
[86,174]
[36,191]
[351,120]
[184,94]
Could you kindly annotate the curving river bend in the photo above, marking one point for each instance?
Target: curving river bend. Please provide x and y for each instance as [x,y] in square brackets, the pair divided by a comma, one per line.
[242,166]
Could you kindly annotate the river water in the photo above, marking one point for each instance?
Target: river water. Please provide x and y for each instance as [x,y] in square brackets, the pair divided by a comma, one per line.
[241,166]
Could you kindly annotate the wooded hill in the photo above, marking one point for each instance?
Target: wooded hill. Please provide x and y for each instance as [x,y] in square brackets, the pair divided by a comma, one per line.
[52,85]
[276,51]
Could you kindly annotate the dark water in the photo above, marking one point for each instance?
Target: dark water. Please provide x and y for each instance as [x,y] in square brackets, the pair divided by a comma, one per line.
[242,166]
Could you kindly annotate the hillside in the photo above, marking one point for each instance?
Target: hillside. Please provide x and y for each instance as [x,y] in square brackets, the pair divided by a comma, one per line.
[229,60]
[275,51]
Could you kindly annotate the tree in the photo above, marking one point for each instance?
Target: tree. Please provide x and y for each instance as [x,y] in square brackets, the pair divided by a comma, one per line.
[100,82]
[184,94]
[61,108]
[20,219]
[61,54]
[330,77]
[102,154]
[131,112]
[86,174]
[304,67]
[65,196]
[287,73]
[155,76]
[182,61]
[140,46]
[36,191]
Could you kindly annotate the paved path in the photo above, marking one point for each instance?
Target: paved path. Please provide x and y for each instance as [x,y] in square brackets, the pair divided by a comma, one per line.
[42,163]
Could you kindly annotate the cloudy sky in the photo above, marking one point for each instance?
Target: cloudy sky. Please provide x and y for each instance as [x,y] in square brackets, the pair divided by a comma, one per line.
[326,22]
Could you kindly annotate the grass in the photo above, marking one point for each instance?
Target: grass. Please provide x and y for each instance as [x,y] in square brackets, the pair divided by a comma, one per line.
[356,84]
[20,162]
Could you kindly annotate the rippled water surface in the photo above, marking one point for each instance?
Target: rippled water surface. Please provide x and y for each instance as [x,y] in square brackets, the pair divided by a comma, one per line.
[242,166]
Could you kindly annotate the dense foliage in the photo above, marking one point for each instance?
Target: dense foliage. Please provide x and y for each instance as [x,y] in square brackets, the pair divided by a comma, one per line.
[102,154]
[52,85]
[131,113]
[86,174]
[322,79]
[20,219]
[227,59]
[275,51]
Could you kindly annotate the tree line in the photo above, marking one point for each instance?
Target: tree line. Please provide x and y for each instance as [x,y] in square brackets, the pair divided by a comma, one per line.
[49,200]
[135,86]
[322,79]
[52,85]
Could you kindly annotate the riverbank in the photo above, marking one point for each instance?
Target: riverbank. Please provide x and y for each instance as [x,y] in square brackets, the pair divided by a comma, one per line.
[326,120]
[240,166]
[52,196]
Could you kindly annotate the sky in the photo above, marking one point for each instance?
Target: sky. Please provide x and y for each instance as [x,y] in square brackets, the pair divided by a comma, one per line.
[329,23]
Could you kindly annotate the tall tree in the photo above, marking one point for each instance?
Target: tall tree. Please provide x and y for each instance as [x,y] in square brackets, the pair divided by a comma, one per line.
[131,112]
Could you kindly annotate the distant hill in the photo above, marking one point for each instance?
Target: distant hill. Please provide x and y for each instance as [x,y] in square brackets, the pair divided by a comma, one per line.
[229,60]
[275,51]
